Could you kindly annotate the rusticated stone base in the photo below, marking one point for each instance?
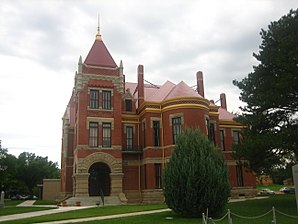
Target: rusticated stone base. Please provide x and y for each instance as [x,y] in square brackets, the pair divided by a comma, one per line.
[153,196]
[243,192]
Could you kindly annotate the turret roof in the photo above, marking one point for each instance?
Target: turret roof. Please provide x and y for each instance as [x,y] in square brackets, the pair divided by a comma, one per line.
[99,55]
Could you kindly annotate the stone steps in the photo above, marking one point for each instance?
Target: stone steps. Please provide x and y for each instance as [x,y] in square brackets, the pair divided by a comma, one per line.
[92,201]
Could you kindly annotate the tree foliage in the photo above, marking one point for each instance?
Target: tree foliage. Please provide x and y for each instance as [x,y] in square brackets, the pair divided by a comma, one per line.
[196,177]
[33,169]
[271,96]
[20,175]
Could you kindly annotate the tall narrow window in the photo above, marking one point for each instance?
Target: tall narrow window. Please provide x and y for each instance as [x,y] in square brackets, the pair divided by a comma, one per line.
[93,99]
[106,99]
[144,134]
[176,126]
[93,134]
[156,133]
[222,139]
[106,135]
[128,105]
[212,133]
[129,138]
[236,137]
[239,175]
[158,175]
[208,127]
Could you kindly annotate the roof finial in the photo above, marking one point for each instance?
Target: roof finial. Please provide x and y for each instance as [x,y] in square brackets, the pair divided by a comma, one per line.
[98,35]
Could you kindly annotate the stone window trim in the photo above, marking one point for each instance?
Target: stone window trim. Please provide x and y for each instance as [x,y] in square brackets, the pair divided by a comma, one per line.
[130,125]
[100,90]
[154,119]
[171,116]
[143,124]
[100,120]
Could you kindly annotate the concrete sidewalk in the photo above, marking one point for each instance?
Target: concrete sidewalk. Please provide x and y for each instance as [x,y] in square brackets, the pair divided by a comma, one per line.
[39,213]
[106,217]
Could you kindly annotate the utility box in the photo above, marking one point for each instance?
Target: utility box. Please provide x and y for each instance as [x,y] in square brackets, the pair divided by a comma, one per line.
[295,178]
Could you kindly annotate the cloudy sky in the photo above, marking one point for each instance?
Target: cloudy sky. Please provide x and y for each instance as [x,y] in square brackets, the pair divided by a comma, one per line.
[41,41]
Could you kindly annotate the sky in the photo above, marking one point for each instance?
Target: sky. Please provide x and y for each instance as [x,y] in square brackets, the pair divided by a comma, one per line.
[41,42]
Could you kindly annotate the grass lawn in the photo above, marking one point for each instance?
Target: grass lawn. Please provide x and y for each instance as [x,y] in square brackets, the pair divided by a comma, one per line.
[10,208]
[283,203]
[89,212]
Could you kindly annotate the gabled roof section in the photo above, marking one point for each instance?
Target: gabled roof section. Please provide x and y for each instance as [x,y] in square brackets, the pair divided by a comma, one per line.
[225,115]
[99,55]
[182,90]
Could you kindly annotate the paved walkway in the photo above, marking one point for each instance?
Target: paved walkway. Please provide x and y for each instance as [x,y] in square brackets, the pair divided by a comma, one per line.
[106,217]
[39,213]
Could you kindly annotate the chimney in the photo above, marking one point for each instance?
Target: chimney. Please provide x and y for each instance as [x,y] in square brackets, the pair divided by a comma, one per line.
[140,85]
[223,101]
[200,84]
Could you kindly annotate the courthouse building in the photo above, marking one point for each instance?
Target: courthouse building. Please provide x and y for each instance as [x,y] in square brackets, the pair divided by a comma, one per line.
[119,135]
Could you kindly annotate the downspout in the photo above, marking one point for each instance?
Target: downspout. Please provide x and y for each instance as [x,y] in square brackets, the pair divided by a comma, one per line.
[162,138]
[139,156]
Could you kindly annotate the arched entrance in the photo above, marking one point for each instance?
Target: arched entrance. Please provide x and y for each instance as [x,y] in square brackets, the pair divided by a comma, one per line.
[99,179]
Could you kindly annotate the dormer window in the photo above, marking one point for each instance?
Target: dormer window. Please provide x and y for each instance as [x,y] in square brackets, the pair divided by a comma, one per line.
[128,105]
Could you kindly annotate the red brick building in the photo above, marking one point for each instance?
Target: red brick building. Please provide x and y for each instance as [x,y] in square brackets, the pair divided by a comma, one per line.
[117,135]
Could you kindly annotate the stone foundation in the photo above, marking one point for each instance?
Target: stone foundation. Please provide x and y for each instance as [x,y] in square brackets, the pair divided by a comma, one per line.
[243,192]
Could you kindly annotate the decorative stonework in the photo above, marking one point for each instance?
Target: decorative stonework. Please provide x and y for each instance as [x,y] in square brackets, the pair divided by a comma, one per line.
[82,79]
[114,164]
[82,175]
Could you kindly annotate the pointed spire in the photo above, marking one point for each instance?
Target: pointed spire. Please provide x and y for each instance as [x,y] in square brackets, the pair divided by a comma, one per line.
[80,65]
[121,68]
[98,35]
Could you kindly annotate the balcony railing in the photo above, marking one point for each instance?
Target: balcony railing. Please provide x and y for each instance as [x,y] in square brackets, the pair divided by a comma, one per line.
[132,149]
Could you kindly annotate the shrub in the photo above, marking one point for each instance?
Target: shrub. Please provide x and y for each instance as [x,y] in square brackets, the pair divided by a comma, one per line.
[196,177]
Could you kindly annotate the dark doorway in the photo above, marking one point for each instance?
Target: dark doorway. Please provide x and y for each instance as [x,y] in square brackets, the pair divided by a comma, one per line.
[99,179]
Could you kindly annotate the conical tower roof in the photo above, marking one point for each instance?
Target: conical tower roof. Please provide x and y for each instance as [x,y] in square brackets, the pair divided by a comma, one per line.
[99,55]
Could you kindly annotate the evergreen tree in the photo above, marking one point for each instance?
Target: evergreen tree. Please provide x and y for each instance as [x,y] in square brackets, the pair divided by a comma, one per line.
[271,96]
[195,179]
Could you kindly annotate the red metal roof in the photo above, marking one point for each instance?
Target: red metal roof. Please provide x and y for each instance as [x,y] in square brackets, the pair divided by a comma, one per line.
[99,55]
[170,90]
[225,115]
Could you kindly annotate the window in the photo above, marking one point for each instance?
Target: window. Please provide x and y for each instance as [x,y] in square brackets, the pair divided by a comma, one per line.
[93,99]
[158,175]
[236,137]
[239,175]
[208,127]
[176,126]
[93,134]
[106,135]
[144,133]
[222,139]
[106,99]
[212,132]
[129,137]
[128,105]
[156,133]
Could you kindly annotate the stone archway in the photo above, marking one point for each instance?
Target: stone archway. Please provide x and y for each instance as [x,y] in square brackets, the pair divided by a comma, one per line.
[99,182]
[84,165]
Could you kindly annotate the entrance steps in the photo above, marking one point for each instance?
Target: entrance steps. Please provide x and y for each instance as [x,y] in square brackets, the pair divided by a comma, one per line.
[92,201]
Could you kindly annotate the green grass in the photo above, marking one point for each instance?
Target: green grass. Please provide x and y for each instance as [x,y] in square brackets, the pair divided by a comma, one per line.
[45,202]
[89,212]
[11,210]
[283,203]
